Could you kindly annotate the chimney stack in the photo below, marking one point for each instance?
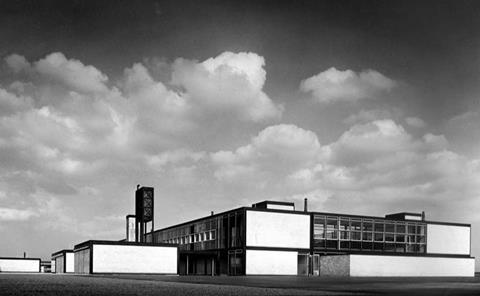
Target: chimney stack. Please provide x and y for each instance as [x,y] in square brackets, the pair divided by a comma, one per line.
[423,215]
[24,254]
[305,205]
[211,213]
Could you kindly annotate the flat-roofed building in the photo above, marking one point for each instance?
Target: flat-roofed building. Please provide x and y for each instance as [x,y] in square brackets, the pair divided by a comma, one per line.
[273,238]
[63,261]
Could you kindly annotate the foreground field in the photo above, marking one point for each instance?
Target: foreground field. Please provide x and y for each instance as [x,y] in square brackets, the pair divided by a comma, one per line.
[66,285]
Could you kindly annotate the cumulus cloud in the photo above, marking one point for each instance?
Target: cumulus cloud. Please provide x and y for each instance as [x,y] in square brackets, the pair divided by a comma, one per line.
[277,149]
[232,82]
[17,63]
[73,73]
[11,103]
[372,167]
[335,85]
[365,116]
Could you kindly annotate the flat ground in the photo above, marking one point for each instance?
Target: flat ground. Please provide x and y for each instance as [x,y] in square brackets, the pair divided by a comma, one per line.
[66,285]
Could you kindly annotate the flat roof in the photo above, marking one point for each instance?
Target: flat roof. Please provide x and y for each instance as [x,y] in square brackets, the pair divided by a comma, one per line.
[117,243]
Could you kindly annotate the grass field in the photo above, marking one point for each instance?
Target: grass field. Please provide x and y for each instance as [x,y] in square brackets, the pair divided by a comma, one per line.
[66,285]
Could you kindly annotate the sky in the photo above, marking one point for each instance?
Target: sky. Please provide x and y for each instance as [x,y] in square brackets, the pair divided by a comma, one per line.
[363,107]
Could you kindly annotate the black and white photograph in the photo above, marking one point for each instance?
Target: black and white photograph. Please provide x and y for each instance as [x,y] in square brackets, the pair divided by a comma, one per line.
[239,147]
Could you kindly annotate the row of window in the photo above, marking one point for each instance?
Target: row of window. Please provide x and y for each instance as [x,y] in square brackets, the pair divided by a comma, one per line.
[346,228]
[369,236]
[370,246]
[193,238]
[367,224]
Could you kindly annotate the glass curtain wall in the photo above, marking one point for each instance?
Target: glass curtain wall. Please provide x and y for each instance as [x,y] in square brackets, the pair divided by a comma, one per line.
[342,233]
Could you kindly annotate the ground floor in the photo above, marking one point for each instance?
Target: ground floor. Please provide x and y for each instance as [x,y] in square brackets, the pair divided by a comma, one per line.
[237,262]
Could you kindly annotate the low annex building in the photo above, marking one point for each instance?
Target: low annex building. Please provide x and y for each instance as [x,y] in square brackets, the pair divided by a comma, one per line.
[93,257]
[17,264]
[63,261]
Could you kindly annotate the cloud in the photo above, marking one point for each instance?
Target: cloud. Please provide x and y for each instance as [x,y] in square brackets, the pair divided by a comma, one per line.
[9,214]
[372,168]
[276,149]
[415,122]
[365,116]
[231,82]
[17,63]
[463,131]
[335,85]
[72,73]
[11,103]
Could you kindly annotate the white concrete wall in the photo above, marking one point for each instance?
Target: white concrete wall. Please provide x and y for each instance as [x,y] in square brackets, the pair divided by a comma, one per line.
[412,217]
[53,265]
[282,230]
[373,265]
[70,263]
[448,239]
[271,262]
[134,259]
[19,265]
[280,207]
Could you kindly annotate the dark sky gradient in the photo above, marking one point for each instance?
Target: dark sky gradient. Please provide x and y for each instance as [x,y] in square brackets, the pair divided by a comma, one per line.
[433,45]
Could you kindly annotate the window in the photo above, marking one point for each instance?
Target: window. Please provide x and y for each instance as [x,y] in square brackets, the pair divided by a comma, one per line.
[389,237]
[344,224]
[420,248]
[378,237]
[389,247]
[319,229]
[410,248]
[367,246]
[356,224]
[355,235]
[389,227]
[378,246]
[355,245]
[331,244]
[411,228]
[367,225]
[207,236]
[400,238]
[400,228]
[212,234]
[421,229]
[367,236]
[400,248]
[379,226]
[332,228]
[420,239]
[411,239]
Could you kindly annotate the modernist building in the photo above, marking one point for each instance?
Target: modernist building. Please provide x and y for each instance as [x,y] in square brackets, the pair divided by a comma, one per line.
[20,264]
[271,237]
[63,261]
